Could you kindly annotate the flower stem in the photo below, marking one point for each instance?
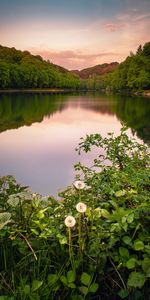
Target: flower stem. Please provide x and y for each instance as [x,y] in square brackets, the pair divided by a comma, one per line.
[70,248]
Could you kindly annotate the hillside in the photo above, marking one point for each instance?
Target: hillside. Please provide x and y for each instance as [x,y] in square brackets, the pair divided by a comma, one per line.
[21,69]
[133,74]
[96,70]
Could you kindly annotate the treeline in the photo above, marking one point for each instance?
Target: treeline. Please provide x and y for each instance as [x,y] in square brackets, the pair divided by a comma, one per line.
[20,69]
[132,74]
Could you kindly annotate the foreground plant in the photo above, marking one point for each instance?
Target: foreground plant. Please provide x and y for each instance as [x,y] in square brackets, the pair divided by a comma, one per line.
[105,252]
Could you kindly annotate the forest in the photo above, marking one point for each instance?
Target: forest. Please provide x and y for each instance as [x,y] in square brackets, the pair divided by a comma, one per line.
[132,74]
[22,70]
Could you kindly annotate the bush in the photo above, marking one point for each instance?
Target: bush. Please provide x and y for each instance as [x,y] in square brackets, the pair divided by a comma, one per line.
[94,243]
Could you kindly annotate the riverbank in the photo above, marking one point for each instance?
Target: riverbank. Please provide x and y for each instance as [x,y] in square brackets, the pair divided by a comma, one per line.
[39,90]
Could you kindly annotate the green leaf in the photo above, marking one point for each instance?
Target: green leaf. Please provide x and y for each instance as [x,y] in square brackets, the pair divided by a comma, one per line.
[26,289]
[93,287]
[130,218]
[123,293]
[138,245]
[127,240]
[40,214]
[72,285]
[83,290]
[146,266]
[131,263]
[64,280]
[4,219]
[136,279]
[105,213]
[71,276]
[52,278]
[36,284]
[85,278]
[124,252]
[120,193]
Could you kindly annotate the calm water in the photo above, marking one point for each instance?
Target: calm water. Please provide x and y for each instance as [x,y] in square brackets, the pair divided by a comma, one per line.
[39,132]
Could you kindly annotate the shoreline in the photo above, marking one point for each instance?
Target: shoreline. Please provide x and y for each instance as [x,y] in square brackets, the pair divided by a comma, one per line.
[38,90]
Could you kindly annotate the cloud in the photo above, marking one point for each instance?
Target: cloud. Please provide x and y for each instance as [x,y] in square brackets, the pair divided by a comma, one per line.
[112,27]
[75,59]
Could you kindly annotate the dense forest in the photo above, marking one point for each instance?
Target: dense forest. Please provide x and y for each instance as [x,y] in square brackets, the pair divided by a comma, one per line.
[132,74]
[21,70]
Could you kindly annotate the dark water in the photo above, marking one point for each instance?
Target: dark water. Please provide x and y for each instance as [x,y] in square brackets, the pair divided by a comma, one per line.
[39,132]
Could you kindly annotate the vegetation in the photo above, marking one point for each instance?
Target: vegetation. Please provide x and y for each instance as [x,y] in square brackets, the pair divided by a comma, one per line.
[132,74]
[22,70]
[94,243]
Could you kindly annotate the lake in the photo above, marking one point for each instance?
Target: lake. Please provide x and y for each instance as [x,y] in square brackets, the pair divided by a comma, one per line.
[39,133]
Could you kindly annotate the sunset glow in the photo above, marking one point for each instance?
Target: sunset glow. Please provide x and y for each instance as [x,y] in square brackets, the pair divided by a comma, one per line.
[75,34]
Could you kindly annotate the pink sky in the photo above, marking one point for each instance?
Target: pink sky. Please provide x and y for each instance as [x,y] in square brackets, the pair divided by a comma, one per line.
[97,34]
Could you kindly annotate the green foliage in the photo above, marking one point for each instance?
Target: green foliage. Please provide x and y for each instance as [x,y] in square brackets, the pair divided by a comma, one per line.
[22,70]
[105,254]
[132,74]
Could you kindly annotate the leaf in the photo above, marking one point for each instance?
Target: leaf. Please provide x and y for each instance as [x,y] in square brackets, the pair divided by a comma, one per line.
[146,266]
[63,240]
[4,219]
[26,289]
[40,214]
[93,287]
[71,276]
[105,213]
[83,290]
[120,193]
[85,278]
[130,218]
[52,278]
[136,279]
[64,280]
[138,245]
[124,252]
[36,284]
[72,285]
[127,240]
[123,293]
[13,201]
[131,263]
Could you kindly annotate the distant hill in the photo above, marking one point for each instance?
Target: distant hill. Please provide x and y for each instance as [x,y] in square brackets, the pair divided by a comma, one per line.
[96,70]
[22,70]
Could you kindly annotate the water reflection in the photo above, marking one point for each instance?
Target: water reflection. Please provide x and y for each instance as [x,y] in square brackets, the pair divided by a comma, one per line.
[39,151]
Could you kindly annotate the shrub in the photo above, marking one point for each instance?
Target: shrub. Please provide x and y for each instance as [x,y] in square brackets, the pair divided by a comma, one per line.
[94,243]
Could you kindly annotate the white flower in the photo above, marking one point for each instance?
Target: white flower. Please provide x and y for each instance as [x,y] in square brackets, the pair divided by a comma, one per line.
[70,221]
[79,185]
[81,207]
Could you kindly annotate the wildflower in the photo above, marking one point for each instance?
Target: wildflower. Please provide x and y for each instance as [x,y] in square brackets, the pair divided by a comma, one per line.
[79,185]
[70,221]
[81,207]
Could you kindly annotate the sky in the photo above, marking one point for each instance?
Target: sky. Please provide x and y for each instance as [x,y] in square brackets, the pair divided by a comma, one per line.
[75,33]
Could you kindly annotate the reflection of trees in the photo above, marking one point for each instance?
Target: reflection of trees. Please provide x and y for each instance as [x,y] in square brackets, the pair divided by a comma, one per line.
[17,110]
[21,109]
[135,112]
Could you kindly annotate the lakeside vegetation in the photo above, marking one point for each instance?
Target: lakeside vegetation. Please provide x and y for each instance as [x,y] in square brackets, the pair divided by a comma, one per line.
[94,243]
[21,70]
